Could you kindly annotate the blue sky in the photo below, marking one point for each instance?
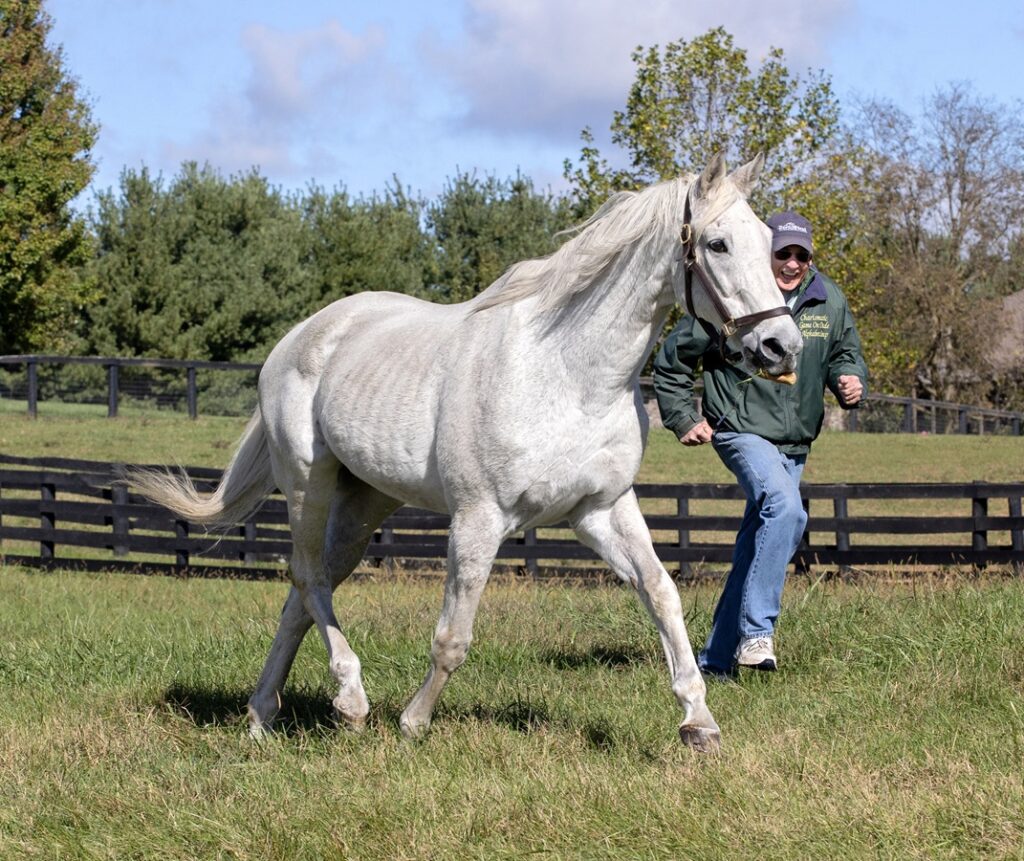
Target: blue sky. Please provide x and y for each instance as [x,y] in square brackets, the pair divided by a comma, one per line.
[347,94]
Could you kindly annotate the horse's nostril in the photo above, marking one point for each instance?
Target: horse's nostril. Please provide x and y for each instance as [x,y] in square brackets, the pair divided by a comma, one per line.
[772,349]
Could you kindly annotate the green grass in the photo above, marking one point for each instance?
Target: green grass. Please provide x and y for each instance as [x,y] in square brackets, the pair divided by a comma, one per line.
[837,456]
[894,729]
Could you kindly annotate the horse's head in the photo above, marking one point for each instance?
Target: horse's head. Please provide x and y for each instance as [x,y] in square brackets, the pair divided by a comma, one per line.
[726,279]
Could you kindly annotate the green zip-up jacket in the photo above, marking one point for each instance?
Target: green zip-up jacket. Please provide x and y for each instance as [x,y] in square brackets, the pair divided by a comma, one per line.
[789,416]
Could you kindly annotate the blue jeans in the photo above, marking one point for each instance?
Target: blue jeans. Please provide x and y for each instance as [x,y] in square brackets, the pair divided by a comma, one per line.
[772,527]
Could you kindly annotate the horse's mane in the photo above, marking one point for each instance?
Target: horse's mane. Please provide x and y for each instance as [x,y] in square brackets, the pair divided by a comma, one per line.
[625,219]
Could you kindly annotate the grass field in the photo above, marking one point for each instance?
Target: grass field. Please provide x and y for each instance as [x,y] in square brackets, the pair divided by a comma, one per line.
[171,438]
[894,729]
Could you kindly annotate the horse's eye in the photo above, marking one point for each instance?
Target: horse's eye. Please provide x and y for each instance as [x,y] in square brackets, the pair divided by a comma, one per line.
[718,246]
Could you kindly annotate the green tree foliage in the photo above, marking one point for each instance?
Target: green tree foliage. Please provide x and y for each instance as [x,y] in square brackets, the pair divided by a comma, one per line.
[948,216]
[481,227]
[206,268]
[375,243]
[46,135]
[214,268]
[696,98]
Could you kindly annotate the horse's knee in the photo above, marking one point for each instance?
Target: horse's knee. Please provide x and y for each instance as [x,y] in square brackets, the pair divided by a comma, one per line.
[448,653]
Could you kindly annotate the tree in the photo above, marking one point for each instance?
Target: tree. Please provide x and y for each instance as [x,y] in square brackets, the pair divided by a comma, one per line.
[46,135]
[207,268]
[700,97]
[481,227]
[949,219]
[375,243]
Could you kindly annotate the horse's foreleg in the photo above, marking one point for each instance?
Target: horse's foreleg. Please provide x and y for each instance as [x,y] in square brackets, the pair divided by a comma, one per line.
[472,545]
[620,535]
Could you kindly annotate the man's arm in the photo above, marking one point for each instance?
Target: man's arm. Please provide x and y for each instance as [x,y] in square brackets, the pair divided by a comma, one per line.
[675,369]
[847,370]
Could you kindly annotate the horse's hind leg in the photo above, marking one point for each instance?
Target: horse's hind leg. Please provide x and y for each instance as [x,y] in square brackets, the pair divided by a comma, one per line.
[355,511]
[474,539]
[620,535]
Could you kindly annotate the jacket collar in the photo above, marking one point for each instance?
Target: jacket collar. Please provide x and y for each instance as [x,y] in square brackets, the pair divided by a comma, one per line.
[813,292]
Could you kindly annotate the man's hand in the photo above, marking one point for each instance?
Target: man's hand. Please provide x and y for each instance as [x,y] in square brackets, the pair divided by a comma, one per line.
[850,389]
[698,434]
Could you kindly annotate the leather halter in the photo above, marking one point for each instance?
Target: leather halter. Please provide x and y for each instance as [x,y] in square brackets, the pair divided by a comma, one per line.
[730,325]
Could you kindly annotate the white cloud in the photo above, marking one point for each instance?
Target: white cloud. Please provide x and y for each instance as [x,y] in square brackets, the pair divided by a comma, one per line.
[295,74]
[301,91]
[549,67]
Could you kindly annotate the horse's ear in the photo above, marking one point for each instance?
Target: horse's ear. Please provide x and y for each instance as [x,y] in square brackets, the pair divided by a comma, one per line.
[712,175]
[745,178]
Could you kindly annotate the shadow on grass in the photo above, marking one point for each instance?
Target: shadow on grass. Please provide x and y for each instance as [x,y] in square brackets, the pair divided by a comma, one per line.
[301,711]
[612,657]
[305,712]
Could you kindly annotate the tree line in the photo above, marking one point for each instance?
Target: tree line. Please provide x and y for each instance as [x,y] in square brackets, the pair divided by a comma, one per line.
[917,217]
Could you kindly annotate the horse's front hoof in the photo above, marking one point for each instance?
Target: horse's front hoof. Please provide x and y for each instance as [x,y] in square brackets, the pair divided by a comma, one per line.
[413,730]
[355,725]
[701,739]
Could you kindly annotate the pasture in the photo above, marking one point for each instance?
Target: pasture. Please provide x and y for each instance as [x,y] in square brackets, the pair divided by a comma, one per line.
[895,727]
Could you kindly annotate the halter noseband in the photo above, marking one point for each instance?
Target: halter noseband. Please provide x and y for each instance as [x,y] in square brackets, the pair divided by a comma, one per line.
[730,325]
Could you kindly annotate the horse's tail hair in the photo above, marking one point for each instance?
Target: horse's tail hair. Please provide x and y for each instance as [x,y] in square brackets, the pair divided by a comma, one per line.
[246,482]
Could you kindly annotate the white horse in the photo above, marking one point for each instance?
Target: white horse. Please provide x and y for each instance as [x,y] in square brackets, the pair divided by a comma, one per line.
[518,408]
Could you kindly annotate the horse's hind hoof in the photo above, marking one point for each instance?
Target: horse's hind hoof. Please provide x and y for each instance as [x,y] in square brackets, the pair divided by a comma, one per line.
[701,739]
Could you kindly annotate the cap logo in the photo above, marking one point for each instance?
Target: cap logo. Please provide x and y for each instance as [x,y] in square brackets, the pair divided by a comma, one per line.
[790,227]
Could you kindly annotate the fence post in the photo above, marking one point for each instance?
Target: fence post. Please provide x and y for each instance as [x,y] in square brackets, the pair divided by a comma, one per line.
[908,417]
[1017,535]
[683,537]
[47,520]
[193,401]
[530,562]
[979,536]
[180,551]
[112,390]
[120,521]
[851,421]
[840,508]
[961,416]
[32,368]
[248,534]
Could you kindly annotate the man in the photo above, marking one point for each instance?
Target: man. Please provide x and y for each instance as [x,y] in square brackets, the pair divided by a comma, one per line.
[763,430]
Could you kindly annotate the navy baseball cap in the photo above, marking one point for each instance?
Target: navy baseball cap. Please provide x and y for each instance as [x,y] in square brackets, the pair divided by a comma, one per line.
[789,228]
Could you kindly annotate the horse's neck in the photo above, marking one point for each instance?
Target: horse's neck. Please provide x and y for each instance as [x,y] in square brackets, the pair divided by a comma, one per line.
[608,332]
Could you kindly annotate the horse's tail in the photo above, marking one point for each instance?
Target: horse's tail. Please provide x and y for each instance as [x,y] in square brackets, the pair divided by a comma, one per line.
[246,482]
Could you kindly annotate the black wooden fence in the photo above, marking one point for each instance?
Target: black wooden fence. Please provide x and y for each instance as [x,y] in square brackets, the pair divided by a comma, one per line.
[178,384]
[71,513]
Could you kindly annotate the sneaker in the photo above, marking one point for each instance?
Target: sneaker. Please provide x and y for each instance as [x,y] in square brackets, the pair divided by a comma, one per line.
[756,653]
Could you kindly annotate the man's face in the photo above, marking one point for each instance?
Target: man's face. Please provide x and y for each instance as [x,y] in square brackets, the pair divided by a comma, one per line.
[789,266]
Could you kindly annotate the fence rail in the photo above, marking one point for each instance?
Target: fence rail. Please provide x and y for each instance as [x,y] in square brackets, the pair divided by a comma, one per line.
[182,384]
[73,513]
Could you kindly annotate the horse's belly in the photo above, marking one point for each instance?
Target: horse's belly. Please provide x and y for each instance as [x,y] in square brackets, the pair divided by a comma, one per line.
[380,427]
